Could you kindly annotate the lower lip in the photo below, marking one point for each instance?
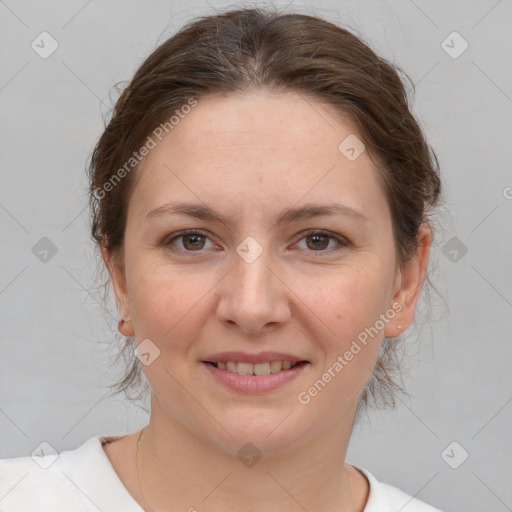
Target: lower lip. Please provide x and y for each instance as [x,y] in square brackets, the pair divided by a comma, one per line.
[254,383]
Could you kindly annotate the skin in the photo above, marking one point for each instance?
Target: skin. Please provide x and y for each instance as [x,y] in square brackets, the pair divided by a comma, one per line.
[249,157]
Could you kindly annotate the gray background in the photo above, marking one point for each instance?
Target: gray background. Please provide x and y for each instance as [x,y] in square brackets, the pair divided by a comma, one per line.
[56,339]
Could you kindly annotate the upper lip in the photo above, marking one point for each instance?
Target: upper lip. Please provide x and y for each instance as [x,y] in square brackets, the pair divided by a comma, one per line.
[246,357]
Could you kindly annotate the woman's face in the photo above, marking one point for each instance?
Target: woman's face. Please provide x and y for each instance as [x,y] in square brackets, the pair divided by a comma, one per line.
[259,280]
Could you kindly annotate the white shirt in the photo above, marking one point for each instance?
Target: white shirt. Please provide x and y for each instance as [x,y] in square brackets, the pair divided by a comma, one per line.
[83,480]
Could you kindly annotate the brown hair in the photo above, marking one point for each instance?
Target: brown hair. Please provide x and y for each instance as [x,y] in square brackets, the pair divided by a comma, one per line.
[236,51]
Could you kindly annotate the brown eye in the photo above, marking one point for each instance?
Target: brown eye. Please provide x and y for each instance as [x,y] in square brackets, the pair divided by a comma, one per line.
[317,241]
[193,242]
[321,241]
[187,242]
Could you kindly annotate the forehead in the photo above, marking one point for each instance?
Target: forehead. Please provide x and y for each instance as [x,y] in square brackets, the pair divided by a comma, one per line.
[259,149]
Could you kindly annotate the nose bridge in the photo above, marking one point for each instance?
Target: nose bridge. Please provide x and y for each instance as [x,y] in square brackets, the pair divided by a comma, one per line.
[251,295]
[251,274]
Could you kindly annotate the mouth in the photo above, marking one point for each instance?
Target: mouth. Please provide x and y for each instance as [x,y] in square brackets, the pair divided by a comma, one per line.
[254,374]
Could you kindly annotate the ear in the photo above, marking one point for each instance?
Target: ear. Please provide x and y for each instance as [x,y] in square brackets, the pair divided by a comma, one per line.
[115,266]
[409,283]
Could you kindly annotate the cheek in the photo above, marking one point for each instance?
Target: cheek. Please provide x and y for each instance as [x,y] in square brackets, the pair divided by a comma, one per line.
[350,351]
[166,301]
[168,306]
[348,300]
[352,310]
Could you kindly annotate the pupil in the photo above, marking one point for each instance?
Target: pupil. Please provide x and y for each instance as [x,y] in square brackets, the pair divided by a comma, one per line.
[318,239]
[194,238]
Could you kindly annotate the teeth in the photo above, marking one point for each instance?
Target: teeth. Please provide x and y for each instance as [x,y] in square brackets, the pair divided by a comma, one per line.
[275,366]
[245,368]
[261,368]
[255,369]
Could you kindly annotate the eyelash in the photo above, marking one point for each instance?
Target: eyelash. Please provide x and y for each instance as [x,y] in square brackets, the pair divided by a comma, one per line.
[311,232]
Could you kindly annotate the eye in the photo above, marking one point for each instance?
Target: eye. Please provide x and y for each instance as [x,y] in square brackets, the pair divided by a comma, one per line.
[194,241]
[191,241]
[319,240]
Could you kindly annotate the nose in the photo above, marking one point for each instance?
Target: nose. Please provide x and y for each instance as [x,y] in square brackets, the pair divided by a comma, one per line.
[253,295]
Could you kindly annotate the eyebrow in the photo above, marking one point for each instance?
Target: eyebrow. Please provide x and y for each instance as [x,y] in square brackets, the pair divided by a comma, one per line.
[288,215]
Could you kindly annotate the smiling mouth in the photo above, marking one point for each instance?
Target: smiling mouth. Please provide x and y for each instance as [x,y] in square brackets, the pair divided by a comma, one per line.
[265,368]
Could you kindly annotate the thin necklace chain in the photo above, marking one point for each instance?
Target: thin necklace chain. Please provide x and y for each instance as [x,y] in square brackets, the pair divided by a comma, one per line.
[146,508]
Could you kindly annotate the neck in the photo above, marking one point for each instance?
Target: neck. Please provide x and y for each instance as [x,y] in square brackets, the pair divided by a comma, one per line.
[192,474]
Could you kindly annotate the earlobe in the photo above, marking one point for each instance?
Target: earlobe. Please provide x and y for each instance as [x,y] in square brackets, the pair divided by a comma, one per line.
[124,327]
[410,278]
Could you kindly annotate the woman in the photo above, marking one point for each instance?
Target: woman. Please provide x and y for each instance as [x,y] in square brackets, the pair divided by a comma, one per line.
[260,198]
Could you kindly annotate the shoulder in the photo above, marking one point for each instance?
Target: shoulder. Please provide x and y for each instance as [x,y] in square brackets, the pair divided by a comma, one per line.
[386,498]
[38,482]
[79,480]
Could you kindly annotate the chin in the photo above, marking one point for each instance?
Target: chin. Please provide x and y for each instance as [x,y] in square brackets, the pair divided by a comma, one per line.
[266,431]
